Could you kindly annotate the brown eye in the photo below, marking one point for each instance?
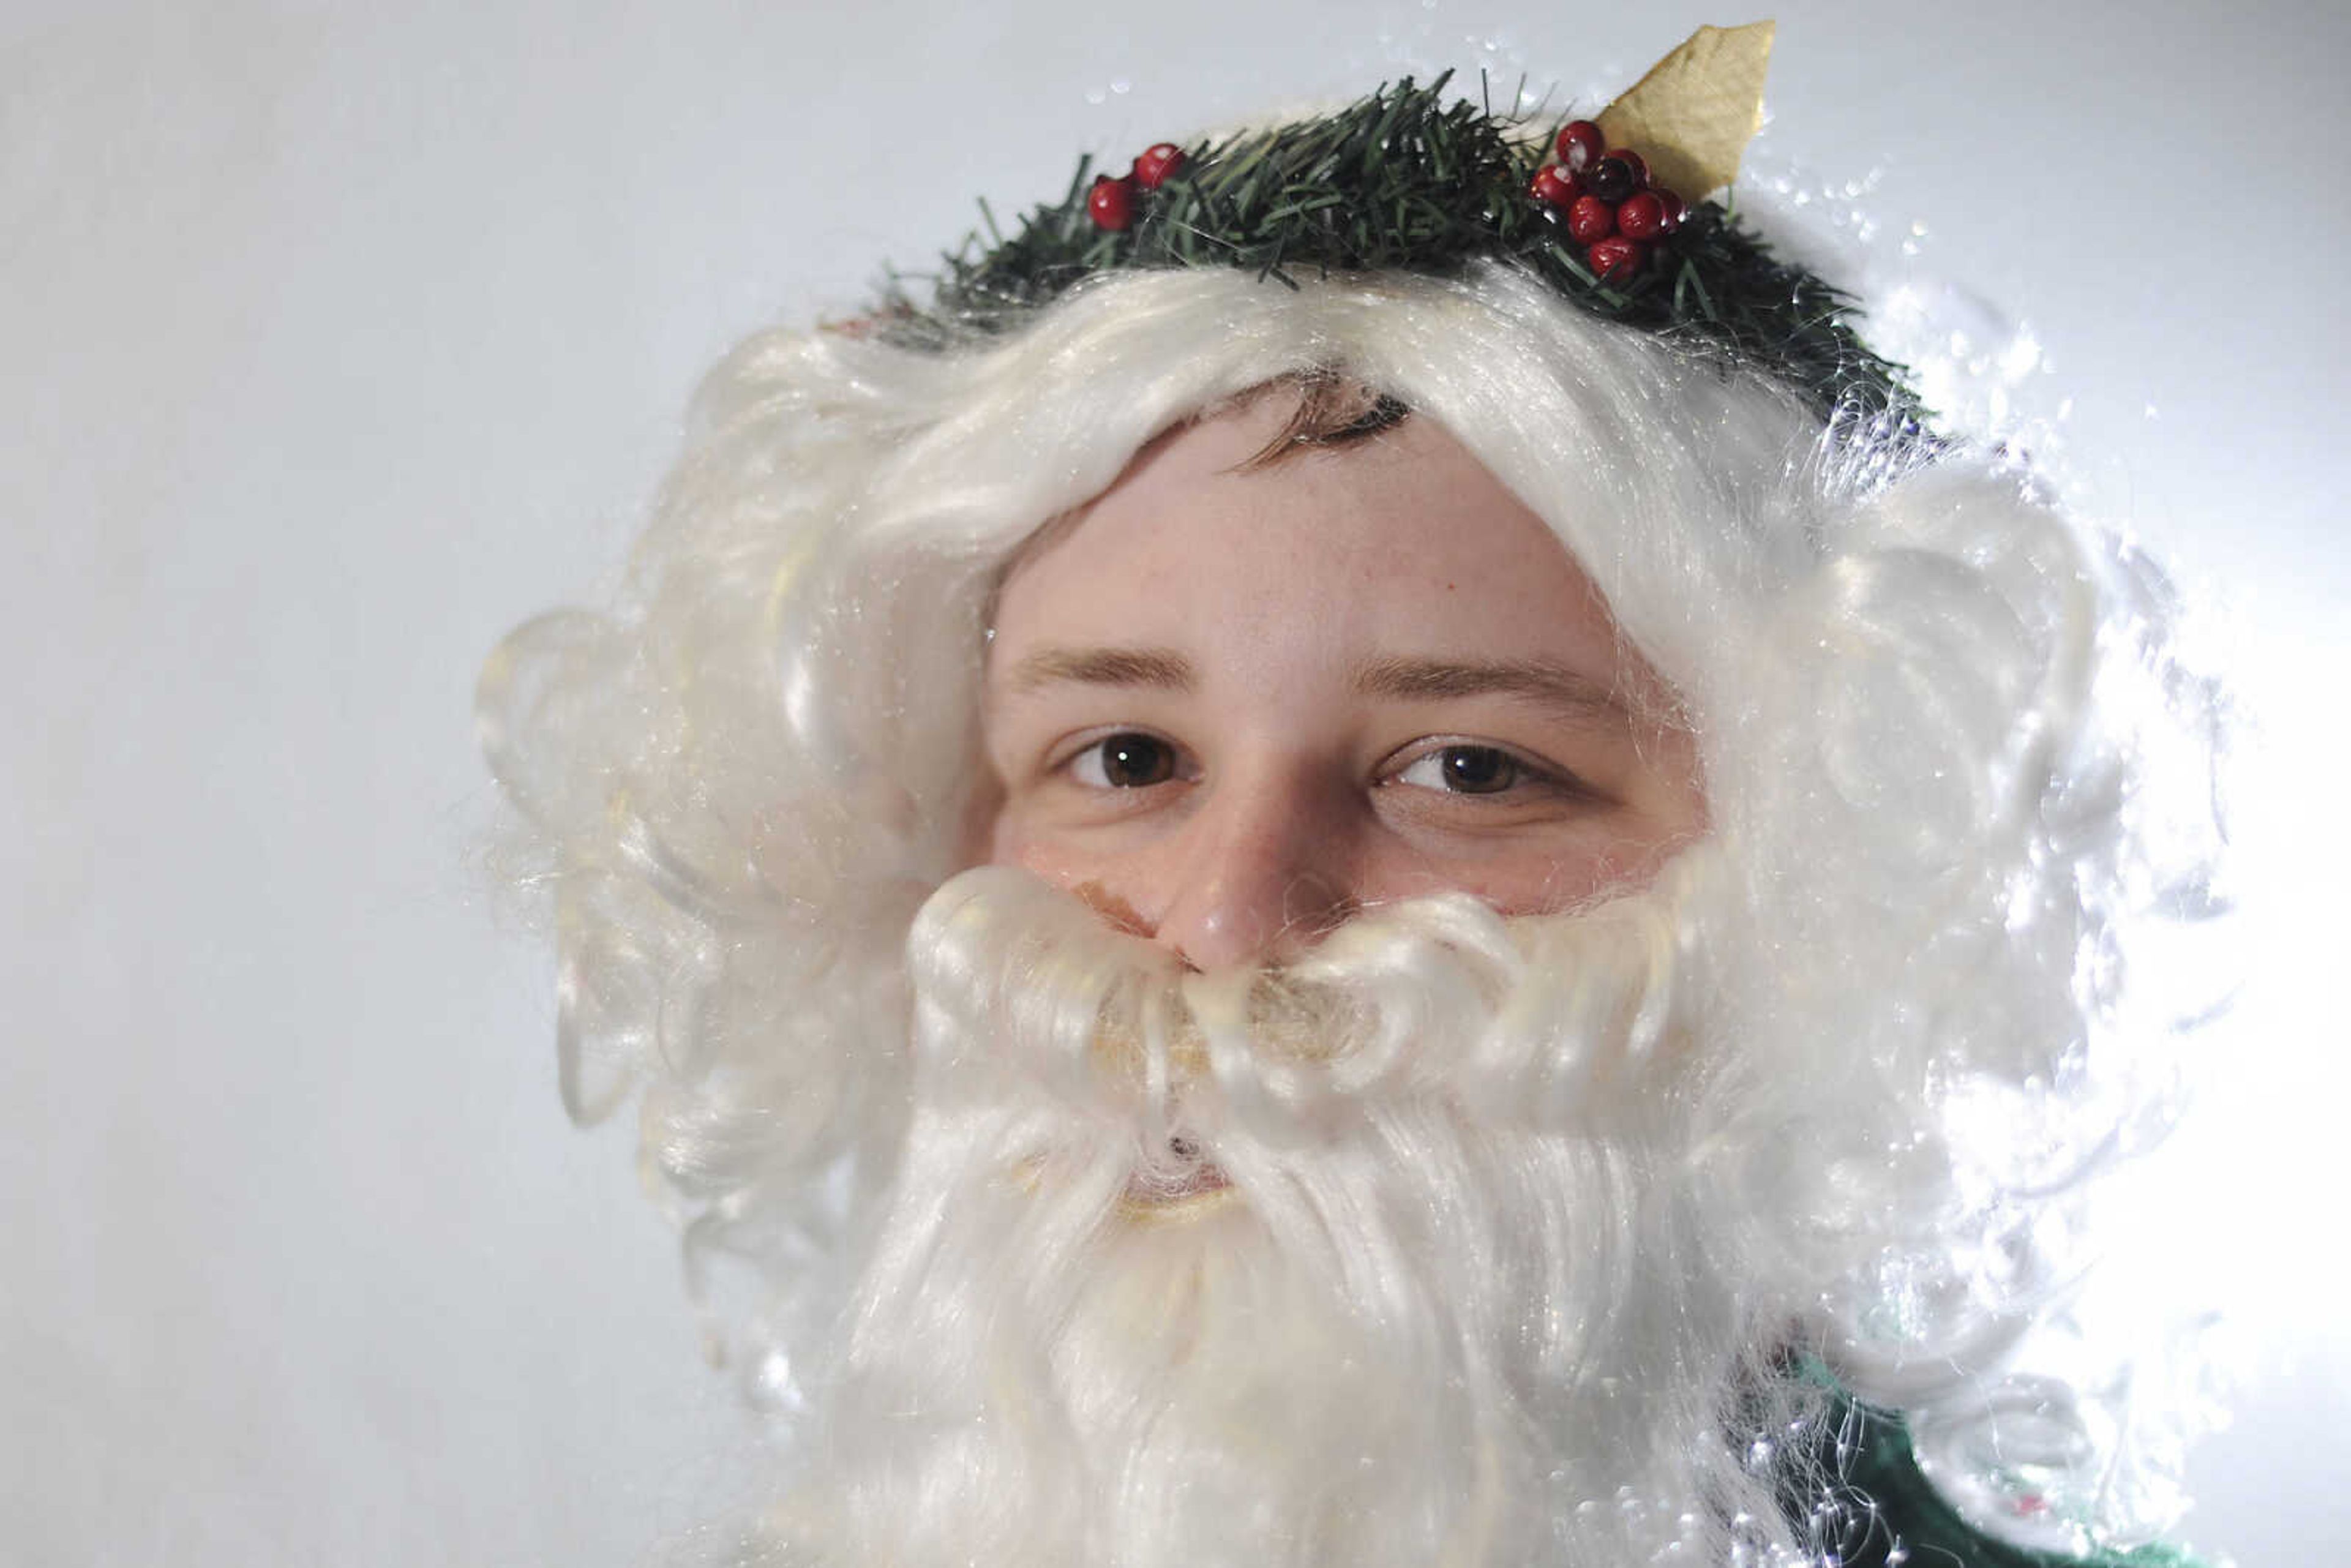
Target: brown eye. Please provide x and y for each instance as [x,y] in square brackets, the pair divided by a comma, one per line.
[1128,761]
[1477,770]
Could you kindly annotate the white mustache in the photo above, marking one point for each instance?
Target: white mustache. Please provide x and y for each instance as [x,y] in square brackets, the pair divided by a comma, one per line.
[1518,1020]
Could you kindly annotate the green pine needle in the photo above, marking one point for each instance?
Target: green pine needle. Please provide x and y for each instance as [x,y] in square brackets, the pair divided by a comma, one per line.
[1401,180]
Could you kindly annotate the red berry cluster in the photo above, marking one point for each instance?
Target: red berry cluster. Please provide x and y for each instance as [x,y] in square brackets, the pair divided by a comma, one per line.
[1111,203]
[1612,209]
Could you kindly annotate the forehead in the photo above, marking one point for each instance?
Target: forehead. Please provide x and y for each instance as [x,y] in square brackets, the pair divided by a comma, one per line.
[1403,541]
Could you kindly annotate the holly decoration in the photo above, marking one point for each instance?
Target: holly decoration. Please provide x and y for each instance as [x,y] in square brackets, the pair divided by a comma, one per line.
[1579,142]
[1553,184]
[1156,164]
[1616,258]
[1405,179]
[1590,220]
[1111,203]
[1607,201]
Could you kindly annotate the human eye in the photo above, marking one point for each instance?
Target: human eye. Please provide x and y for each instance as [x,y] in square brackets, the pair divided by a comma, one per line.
[1122,760]
[1462,771]
[1470,767]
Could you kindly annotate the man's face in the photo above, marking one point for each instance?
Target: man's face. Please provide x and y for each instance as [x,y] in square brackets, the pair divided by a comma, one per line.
[1229,705]
[1411,1315]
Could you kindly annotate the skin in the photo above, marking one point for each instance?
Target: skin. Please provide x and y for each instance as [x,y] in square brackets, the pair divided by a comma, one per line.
[1231,707]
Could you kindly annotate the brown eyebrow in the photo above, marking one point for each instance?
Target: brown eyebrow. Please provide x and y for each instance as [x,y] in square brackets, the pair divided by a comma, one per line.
[1541,681]
[1553,685]
[1157,667]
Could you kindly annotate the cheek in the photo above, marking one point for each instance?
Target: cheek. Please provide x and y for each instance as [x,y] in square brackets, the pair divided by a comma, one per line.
[1538,875]
[1616,867]
[1005,843]
[1088,877]
[1531,883]
[1007,839]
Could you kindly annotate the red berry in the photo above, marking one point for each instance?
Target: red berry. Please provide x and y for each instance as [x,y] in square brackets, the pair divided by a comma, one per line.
[1675,210]
[1641,215]
[1590,219]
[1159,161]
[1551,184]
[1616,258]
[1110,204]
[1579,143]
[1610,179]
[1635,162]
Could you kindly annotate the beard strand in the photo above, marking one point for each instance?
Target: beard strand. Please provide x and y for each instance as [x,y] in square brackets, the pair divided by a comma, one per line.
[1377,1258]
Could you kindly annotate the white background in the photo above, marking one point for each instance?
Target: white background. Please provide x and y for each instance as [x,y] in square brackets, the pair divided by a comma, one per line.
[334,340]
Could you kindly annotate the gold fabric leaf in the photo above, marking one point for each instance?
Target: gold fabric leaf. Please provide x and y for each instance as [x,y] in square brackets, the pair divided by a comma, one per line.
[1695,112]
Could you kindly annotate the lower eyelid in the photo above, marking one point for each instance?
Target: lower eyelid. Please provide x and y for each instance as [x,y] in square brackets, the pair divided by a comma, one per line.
[1537,786]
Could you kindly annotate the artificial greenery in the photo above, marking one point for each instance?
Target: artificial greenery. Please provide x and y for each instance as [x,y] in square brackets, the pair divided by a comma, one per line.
[1403,180]
[1891,1514]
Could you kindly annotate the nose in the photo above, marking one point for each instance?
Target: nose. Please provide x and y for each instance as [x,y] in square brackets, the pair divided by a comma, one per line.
[1260,871]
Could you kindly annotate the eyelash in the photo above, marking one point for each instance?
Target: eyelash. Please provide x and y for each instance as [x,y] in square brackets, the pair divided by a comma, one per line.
[1524,773]
[1096,746]
[1528,776]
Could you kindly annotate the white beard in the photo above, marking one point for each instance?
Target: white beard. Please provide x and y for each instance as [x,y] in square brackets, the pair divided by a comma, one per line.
[1453,1307]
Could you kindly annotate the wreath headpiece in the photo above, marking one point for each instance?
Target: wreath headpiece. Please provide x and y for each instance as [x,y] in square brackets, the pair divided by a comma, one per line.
[1618,213]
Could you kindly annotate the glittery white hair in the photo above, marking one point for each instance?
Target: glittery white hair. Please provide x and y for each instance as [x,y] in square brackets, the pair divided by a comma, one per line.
[1951,771]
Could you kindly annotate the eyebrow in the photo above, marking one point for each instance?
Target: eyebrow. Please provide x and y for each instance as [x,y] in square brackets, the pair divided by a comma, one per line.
[1541,681]
[1161,668]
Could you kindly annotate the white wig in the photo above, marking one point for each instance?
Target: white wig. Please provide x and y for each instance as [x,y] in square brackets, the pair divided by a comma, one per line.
[1948,759]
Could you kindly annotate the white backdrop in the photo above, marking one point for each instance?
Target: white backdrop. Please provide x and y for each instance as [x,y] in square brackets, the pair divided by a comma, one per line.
[334,340]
